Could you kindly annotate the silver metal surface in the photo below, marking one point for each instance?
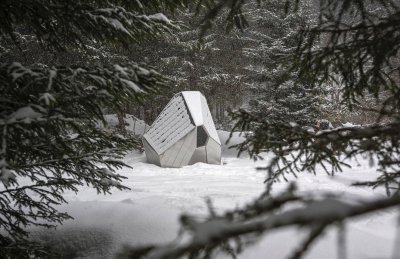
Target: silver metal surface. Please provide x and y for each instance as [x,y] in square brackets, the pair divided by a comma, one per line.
[172,139]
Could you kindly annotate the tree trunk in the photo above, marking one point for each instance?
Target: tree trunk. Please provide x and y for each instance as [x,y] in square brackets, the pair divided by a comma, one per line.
[121,123]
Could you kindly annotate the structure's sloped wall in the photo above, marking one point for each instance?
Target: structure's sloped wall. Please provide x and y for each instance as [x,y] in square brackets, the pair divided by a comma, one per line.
[187,150]
[208,121]
[213,150]
[170,126]
[170,154]
[151,154]
[180,153]
[199,155]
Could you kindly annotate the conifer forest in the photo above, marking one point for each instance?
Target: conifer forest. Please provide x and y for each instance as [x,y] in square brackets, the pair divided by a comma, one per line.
[169,129]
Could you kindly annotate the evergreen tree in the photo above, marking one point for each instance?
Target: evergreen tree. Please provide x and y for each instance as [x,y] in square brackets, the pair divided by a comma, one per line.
[52,96]
[214,65]
[276,96]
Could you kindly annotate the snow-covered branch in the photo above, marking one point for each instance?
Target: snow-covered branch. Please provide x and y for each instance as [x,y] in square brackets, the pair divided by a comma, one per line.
[59,22]
[313,214]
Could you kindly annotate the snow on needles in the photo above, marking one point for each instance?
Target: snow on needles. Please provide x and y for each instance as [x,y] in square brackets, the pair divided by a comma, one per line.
[132,85]
[160,17]
[27,114]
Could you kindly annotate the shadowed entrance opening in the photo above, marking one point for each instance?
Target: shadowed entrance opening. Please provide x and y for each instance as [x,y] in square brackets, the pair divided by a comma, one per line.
[202,136]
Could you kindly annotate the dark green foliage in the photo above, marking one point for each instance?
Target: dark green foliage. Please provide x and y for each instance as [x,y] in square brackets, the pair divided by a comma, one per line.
[10,248]
[52,139]
[52,134]
[345,45]
[276,95]
[214,65]
[361,50]
[58,23]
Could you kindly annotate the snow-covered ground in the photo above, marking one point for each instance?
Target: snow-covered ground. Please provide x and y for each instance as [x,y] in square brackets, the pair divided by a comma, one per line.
[149,212]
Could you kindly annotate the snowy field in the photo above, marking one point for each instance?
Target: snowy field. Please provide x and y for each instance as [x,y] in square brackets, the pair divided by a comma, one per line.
[149,212]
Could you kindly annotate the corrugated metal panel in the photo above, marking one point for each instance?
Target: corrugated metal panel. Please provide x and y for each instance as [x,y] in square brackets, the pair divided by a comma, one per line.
[171,125]
[187,150]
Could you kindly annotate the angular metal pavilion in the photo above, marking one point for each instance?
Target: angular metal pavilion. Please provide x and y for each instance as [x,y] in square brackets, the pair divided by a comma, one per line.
[183,133]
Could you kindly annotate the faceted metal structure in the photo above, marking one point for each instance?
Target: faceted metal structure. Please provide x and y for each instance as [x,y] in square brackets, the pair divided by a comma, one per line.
[183,133]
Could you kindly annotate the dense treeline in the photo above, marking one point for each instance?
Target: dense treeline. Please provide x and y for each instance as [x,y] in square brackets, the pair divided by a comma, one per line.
[240,68]
[247,67]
